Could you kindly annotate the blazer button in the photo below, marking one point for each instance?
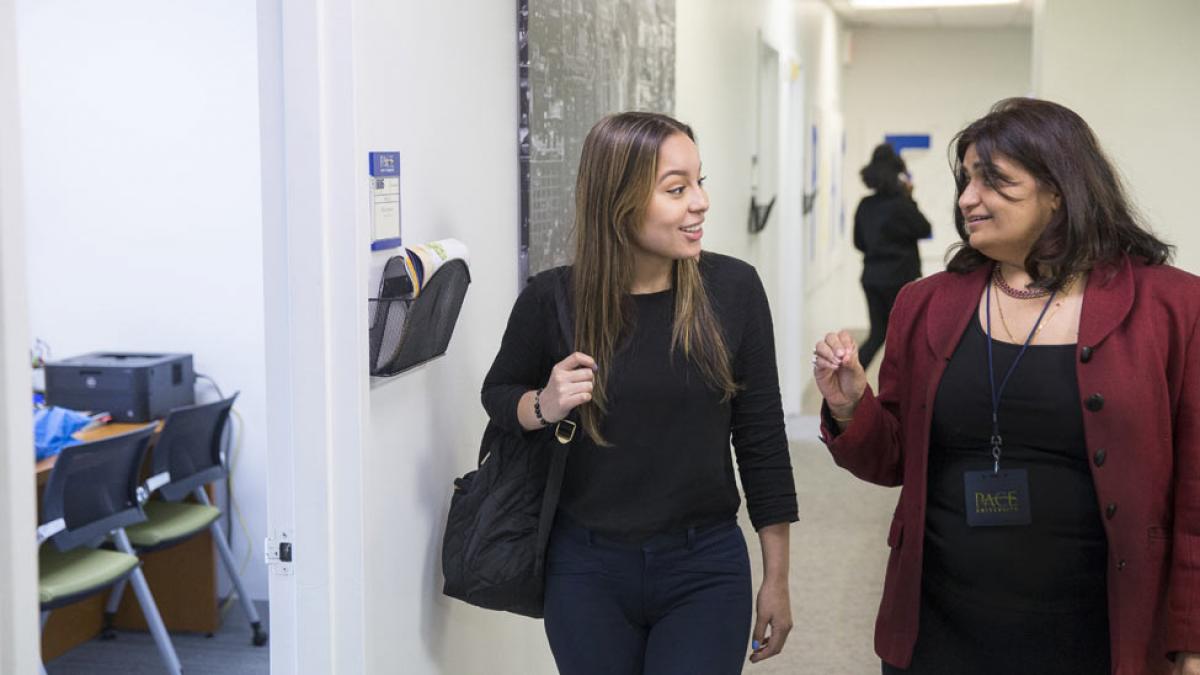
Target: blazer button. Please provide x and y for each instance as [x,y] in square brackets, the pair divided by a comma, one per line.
[1110,511]
[1094,402]
[1120,565]
[1085,354]
[1100,455]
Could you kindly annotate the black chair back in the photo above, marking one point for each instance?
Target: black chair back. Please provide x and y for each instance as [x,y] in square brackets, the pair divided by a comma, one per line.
[93,487]
[189,447]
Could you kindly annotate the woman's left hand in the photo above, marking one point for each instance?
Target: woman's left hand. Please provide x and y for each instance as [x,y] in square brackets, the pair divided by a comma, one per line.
[1187,663]
[774,610]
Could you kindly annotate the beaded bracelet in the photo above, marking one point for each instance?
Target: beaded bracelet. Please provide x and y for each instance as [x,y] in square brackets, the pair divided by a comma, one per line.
[537,408]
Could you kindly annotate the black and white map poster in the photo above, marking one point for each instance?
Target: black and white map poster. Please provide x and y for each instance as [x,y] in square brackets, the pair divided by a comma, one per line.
[580,60]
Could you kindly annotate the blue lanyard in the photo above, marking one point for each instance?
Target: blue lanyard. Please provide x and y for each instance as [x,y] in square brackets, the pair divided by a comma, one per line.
[997,442]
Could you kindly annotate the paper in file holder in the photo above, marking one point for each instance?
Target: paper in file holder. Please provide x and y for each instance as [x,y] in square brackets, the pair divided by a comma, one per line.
[406,331]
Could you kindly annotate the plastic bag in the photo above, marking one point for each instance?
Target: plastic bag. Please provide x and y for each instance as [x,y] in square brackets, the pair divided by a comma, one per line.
[52,429]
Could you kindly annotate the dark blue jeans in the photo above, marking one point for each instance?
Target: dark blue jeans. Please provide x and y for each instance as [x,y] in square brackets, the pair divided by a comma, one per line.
[677,603]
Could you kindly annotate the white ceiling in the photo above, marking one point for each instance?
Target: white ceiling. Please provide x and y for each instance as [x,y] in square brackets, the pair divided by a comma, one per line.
[993,16]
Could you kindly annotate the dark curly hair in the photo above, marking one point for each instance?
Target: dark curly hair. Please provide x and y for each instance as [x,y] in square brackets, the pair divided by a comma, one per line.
[882,174]
[1097,224]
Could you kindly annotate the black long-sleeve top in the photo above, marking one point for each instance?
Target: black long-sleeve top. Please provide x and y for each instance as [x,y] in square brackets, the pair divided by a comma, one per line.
[669,465]
[886,230]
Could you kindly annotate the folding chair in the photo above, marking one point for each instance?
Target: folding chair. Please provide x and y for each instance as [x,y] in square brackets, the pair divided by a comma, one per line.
[188,452]
[93,494]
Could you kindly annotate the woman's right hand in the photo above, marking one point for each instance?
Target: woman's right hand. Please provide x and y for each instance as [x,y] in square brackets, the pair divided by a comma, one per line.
[840,377]
[569,386]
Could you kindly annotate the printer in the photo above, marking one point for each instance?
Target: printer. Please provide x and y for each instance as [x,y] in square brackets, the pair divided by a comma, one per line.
[132,387]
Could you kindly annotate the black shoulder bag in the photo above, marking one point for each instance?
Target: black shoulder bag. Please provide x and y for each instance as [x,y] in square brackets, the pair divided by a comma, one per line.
[494,545]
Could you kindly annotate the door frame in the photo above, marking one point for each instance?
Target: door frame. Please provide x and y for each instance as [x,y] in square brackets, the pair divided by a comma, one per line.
[20,633]
[316,363]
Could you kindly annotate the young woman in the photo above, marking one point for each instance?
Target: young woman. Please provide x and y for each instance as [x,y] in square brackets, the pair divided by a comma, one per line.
[1040,405]
[647,570]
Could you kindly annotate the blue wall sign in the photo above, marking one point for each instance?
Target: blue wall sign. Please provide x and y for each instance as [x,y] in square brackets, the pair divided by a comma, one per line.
[902,142]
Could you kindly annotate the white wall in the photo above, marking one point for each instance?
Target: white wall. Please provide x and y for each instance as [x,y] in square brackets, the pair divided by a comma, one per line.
[140,131]
[19,635]
[1130,69]
[918,81]
[437,82]
[825,235]
[715,74]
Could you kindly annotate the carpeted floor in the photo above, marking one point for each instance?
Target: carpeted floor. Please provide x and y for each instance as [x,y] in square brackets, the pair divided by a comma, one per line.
[228,652]
[838,553]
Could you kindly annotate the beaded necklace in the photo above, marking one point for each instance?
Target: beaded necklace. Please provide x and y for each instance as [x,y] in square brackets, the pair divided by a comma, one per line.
[1066,291]
[1027,294]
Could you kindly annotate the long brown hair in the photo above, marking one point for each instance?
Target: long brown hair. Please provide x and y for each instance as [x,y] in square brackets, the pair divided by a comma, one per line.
[617,172]
[1097,223]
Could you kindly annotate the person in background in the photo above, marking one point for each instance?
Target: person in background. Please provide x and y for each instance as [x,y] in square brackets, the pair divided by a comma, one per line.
[647,570]
[1039,404]
[887,226]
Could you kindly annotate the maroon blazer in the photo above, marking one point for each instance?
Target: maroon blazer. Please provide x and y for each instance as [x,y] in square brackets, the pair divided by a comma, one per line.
[1139,381]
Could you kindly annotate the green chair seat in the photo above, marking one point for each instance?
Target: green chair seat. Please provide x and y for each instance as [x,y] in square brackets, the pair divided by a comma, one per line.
[168,521]
[62,575]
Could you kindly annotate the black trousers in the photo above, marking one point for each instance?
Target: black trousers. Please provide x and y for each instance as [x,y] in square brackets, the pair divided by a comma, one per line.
[676,604]
[879,307]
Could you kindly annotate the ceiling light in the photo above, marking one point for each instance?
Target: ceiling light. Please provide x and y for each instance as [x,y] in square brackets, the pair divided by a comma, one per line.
[926,4]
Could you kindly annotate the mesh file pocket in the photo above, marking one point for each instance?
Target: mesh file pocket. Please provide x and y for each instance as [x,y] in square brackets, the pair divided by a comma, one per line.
[406,332]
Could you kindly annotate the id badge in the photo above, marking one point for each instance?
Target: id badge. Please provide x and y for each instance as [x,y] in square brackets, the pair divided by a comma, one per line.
[997,498]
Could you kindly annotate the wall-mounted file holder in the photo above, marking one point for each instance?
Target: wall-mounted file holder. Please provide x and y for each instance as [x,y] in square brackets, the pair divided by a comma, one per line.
[406,331]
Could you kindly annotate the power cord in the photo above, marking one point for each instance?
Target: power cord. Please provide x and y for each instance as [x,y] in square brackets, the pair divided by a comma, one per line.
[40,353]
[233,446]
[233,457]
[202,376]
[225,444]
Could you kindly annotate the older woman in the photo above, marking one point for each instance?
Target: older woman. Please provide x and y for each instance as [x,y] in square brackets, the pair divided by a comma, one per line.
[1040,405]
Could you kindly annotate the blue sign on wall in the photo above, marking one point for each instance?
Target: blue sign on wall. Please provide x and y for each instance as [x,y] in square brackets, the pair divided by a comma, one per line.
[384,164]
[902,142]
[384,191]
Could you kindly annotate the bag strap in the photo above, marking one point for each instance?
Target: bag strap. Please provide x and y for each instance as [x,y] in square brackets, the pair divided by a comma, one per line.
[558,448]
[562,308]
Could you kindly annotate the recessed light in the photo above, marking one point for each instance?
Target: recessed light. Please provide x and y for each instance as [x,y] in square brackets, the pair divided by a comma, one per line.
[926,4]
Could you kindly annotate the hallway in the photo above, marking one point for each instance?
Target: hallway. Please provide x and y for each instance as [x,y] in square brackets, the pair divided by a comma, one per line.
[837,560]
[196,177]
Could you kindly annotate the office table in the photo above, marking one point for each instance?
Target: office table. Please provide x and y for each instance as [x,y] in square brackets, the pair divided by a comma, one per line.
[182,578]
